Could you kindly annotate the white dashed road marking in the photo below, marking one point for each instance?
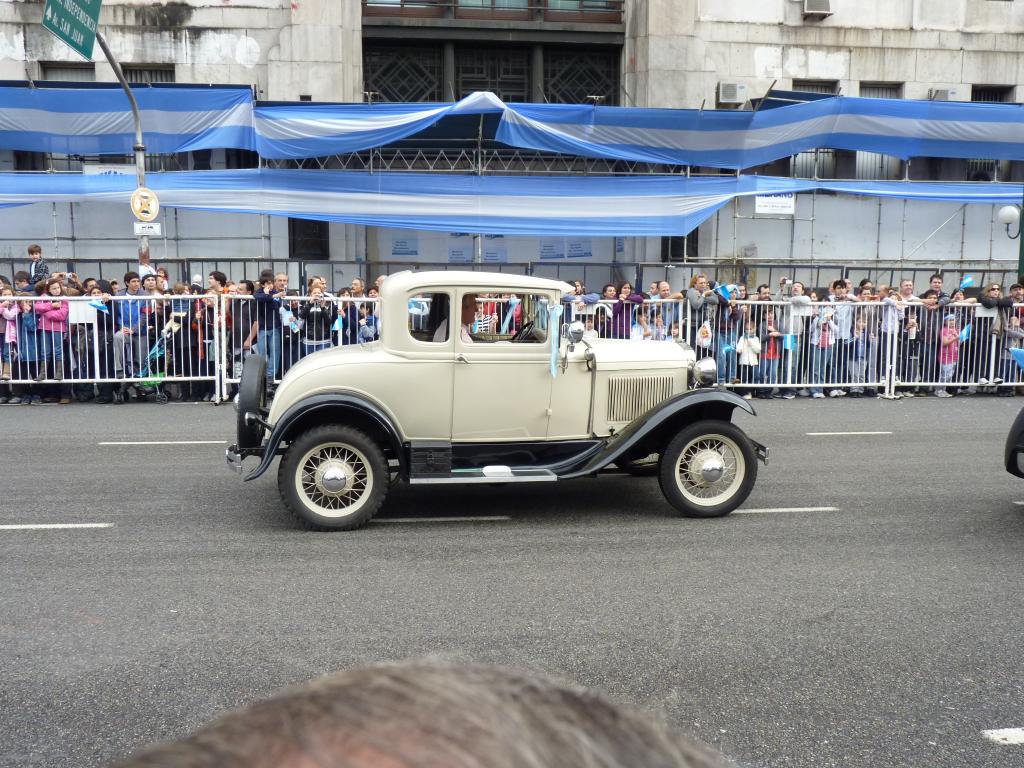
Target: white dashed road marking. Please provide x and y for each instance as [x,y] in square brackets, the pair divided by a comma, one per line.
[482,519]
[51,526]
[836,434]
[784,509]
[1007,736]
[165,442]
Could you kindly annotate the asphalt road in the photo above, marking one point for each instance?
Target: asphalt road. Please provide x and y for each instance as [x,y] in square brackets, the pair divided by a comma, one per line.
[884,633]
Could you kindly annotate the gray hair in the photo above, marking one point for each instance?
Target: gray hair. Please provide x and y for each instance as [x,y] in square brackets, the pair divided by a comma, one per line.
[431,714]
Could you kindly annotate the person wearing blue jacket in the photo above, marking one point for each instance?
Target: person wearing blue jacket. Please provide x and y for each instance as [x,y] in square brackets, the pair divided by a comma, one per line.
[268,318]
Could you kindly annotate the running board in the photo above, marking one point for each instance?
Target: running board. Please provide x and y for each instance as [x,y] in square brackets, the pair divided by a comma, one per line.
[494,474]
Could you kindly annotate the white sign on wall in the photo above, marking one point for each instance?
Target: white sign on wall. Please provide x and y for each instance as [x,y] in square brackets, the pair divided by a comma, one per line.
[781,204]
[404,246]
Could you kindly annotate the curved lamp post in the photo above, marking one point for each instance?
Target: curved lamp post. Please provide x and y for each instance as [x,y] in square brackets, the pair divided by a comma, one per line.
[1008,216]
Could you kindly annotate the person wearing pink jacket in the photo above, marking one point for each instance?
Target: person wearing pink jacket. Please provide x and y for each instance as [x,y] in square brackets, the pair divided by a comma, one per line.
[9,311]
[52,318]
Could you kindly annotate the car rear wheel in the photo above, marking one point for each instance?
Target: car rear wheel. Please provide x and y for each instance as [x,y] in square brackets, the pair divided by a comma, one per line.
[333,478]
[708,469]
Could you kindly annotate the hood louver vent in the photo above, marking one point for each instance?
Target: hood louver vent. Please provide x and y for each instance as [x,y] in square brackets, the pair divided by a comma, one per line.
[629,396]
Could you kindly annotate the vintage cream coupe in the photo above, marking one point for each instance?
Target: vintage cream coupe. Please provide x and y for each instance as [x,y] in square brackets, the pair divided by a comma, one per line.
[476,378]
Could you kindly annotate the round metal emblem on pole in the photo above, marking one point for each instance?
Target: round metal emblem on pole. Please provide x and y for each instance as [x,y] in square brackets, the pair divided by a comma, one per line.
[145,205]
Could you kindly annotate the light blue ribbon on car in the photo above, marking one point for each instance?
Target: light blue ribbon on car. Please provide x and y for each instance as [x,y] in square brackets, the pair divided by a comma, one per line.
[513,302]
[554,314]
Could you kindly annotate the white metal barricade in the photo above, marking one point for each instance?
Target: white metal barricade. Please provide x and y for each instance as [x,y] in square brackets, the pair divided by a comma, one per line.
[288,328]
[56,344]
[193,346]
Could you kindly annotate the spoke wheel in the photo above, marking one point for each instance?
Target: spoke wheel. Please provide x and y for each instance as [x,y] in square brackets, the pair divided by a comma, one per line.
[333,478]
[708,469]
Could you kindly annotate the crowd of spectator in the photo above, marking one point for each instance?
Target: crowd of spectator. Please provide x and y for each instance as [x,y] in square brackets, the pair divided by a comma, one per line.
[147,329]
[840,340]
[835,341]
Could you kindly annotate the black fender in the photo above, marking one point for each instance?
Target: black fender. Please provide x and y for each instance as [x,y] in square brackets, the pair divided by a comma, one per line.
[362,409]
[665,417]
[1014,445]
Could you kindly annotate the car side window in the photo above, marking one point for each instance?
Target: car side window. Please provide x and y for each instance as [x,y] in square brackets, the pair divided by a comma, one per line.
[429,317]
[507,317]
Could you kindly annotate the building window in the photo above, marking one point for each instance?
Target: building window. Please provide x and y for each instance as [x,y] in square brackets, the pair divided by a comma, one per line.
[873,165]
[68,72]
[816,86]
[818,163]
[421,8]
[148,74]
[999,94]
[881,90]
[573,76]
[503,71]
[989,170]
[402,73]
[308,240]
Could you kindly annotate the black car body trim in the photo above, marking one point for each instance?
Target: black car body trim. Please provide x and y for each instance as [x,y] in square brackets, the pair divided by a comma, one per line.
[333,401]
[711,403]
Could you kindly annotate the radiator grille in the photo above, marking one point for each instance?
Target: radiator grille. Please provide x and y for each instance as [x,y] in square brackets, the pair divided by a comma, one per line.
[629,396]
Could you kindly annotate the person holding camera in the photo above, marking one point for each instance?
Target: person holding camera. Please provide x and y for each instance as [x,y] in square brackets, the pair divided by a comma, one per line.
[318,316]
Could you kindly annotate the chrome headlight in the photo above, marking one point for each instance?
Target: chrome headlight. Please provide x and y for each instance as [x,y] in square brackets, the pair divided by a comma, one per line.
[705,372]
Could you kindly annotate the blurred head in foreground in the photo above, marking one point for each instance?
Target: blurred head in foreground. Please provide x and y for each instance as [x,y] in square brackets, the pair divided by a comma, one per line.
[430,714]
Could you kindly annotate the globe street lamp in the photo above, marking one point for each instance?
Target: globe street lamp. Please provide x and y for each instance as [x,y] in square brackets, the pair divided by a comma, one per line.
[1008,216]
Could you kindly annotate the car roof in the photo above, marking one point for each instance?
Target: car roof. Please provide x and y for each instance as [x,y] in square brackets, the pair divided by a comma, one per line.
[401,282]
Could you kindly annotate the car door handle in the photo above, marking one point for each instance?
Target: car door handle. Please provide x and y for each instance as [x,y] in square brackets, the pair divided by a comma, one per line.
[461,358]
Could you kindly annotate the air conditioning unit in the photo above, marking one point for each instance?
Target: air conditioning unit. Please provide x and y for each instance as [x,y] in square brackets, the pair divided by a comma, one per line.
[943,94]
[817,9]
[732,93]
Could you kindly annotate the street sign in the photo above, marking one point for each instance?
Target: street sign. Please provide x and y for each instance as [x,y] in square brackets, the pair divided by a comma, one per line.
[148,228]
[145,205]
[74,22]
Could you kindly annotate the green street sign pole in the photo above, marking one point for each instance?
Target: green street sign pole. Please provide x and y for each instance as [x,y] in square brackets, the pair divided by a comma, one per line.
[76,24]
[139,148]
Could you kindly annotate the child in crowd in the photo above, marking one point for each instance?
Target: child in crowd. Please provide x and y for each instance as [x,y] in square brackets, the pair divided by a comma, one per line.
[862,364]
[823,340]
[1013,338]
[748,350]
[28,355]
[949,353]
[52,317]
[9,311]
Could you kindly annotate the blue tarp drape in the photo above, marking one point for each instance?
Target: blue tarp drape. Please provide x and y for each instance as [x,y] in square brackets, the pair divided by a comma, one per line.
[602,206]
[90,121]
[98,121]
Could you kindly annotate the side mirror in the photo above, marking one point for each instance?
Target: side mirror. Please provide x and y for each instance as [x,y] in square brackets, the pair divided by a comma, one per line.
[576,331]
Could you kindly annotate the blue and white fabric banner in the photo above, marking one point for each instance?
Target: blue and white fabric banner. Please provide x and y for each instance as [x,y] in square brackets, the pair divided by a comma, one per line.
[713,138]
[317,130]
[545,206]
[98,121]
[611,206]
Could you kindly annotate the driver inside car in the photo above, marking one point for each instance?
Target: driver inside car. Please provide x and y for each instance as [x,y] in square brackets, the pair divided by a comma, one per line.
[468,315]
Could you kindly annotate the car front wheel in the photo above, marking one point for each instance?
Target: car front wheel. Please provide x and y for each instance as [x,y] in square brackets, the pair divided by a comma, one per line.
[708,469]
[333,478]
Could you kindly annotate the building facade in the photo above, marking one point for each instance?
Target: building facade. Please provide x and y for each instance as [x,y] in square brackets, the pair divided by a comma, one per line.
[645,53]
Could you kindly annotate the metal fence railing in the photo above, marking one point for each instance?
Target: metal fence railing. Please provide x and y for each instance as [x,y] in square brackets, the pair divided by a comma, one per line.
[192,346]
